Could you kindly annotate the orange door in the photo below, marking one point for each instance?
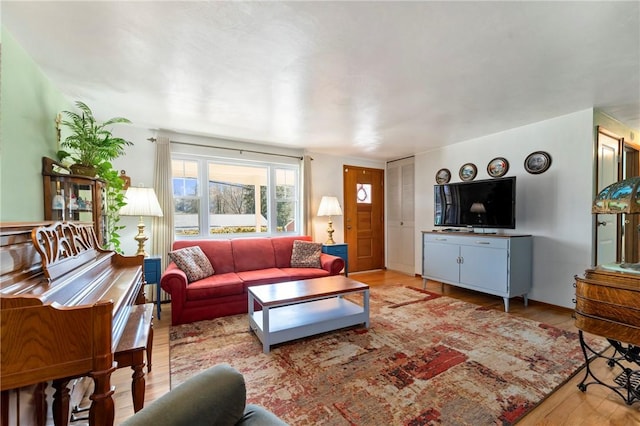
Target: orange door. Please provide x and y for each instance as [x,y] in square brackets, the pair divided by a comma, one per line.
[364,217]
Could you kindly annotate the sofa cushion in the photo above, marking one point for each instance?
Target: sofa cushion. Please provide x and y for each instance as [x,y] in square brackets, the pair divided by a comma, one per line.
[215,286]
[193,262]
[305,273]
[263,276]
[306,254]
[253,254]
[283,246]
[218,252]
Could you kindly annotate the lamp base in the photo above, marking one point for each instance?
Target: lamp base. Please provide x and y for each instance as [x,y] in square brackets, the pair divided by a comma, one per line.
[330,233]
[141,238]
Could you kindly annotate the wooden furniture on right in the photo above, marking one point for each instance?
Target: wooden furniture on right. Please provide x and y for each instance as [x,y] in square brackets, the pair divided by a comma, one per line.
[303,308]
[608,305]
[493,264]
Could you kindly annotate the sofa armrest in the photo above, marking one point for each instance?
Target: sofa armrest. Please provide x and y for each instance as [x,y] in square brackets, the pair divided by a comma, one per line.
[332,264]
[173,279]
[215,396]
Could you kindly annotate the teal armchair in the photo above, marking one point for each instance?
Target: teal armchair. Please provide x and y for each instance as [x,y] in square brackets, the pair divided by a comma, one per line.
[216,396]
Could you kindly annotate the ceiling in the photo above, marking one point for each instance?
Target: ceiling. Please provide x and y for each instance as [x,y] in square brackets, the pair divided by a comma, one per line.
[380,80]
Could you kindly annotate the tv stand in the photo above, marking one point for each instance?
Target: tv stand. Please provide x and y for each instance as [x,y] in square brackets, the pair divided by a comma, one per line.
[493,264]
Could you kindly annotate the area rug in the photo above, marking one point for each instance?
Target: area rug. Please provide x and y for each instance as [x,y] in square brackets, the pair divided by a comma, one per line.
[426,359]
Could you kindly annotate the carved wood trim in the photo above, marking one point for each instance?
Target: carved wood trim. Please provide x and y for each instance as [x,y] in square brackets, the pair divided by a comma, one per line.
[64,246]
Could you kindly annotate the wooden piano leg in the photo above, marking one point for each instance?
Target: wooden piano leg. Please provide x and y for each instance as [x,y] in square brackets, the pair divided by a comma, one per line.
[4,407]
[149,348]
[138,382]
[40,401]
[102,411]
[61,400]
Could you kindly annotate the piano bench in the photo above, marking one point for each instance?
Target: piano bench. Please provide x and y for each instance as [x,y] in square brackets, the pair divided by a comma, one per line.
[136,339]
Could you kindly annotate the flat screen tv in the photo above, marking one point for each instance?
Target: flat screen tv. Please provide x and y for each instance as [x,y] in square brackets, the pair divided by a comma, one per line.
[480,204]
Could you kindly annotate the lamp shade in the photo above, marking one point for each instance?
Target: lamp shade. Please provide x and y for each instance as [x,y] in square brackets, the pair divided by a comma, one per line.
[478,208]
[619,197]
[329,206]
[141,202]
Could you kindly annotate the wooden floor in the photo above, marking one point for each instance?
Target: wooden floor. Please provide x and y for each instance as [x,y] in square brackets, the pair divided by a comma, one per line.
[567,406]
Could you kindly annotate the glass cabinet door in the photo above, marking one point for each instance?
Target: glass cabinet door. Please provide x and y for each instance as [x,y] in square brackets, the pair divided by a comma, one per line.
[73,198]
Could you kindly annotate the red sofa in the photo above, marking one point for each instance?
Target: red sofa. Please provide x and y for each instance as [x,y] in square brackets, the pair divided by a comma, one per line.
[238,264]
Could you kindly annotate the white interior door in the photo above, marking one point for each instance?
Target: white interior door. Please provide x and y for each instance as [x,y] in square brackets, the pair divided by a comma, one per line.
[606,224]
[400,216]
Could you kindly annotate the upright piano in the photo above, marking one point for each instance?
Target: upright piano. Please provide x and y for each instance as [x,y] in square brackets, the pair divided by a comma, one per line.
[64,304]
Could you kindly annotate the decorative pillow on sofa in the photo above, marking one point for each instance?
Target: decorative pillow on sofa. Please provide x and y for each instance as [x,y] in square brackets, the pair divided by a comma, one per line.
[306,254]
[193,262]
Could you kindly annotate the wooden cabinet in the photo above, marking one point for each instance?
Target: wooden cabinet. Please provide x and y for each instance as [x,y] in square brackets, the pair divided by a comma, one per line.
[73,198]
[493,264]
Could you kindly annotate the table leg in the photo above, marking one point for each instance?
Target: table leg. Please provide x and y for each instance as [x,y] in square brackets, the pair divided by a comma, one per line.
[265,330]
[366,307]
[250,308]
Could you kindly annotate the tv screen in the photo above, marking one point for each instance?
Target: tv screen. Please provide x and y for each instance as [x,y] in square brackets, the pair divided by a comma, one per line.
[484,203]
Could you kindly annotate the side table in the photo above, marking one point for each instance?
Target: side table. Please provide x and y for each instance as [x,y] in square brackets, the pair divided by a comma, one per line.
[152,273]
[340,250]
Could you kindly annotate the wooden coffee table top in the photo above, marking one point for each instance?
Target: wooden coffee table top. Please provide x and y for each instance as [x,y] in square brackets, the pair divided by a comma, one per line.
[299,291]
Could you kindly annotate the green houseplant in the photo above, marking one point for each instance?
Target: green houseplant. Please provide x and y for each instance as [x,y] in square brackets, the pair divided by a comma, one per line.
[91,143]
[91,148]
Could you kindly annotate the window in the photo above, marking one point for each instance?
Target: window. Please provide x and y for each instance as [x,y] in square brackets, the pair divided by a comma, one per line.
[242,198]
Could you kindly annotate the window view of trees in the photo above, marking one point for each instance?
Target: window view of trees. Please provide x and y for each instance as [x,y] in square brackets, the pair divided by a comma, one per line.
[240,198]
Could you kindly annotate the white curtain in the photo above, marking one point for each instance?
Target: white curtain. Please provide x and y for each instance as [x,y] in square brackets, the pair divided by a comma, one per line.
[306,196]
[163,226]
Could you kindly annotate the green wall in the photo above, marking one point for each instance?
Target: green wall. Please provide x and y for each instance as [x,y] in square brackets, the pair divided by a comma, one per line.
[29,103]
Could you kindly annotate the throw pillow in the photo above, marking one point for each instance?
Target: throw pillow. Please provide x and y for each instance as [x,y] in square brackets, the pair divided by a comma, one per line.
[193,262]
[306,254]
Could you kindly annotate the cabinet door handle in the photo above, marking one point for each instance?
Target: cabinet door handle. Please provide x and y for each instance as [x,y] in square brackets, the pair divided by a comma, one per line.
[441,239]
[483,242]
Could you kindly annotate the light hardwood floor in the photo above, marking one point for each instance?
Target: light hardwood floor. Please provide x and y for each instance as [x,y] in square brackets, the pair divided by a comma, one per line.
[567,406]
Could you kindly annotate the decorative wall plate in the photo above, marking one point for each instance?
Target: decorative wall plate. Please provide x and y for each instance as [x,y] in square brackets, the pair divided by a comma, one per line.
[537,162]
[443,176]
[468,171]
[498,167]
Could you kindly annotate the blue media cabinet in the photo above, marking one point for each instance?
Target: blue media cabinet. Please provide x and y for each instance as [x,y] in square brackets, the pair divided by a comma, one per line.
[152,273]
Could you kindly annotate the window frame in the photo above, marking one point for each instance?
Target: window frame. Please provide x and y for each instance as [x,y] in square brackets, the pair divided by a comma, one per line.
[203,195]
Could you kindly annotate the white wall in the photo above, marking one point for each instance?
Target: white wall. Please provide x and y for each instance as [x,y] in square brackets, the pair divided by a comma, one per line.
[139,166]
[554,207]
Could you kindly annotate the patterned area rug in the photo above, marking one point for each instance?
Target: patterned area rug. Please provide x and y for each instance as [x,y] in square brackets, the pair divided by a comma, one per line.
[426,359]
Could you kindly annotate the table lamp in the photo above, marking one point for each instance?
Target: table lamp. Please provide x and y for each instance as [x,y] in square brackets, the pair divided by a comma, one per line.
[329,206]
[141,202]
[618,198]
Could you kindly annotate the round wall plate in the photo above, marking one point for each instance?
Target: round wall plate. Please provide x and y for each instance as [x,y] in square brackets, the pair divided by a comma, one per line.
[443,176]
[468,171]
[498,167]
[537,162]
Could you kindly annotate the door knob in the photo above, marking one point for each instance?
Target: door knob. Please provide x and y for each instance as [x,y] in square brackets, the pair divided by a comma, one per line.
[601,223]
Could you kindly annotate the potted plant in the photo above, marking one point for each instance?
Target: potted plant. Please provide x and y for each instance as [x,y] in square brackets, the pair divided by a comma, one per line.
[92,147]
[90,143]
